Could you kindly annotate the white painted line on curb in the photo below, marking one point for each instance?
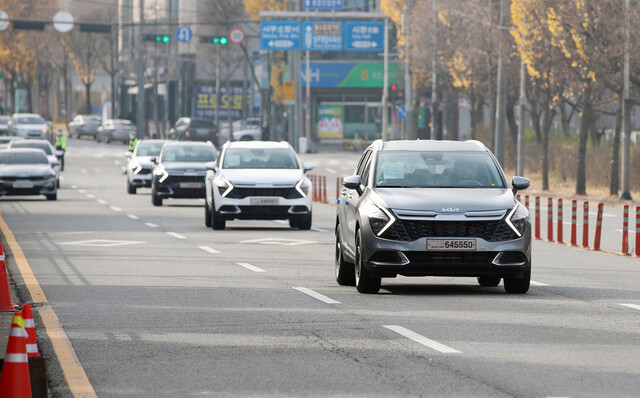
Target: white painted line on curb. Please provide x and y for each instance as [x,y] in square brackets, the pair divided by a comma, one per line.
[634,306]
[316,295]
[133,216]
[251,267]
[421,339]
[177,235]
[208,249]
[534,283]
[115,208]
[102,202]
[150,224]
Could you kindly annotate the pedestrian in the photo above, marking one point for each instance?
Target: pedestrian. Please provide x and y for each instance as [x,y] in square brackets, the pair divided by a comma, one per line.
[61,145]
[133,141]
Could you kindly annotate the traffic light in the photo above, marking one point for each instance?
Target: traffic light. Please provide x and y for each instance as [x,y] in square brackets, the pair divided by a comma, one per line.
[394,87]
[223,40]
[157,37]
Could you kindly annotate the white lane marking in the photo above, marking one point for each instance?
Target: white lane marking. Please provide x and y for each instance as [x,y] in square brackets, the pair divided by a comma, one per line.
[316,295]
[332,171]
[319,230]
[82,191]
[74,187]
[281,221]
[421,339]
[61,178]
[83,171]
[208,249]
[177,235]
[150,224]
[634,306]
[102,202]
[117,162]
[534,283]
[251,267]
[115,208]
[90,196]
[133,216]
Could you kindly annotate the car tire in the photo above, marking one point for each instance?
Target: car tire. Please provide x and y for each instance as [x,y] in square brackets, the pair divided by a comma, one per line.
[345,273]
[57,184]
[217,222]
[53,196]
[107,139]
[130,188]
[301,222]
[98,139]
[155,199]
[488,281]
[365,282]
[207,216]
[518,285]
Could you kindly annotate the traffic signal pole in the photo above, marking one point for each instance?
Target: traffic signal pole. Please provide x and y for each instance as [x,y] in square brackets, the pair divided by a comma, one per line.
[141,116]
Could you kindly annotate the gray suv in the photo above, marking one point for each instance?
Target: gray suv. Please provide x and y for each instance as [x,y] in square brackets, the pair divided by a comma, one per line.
[431,208]
[28,125]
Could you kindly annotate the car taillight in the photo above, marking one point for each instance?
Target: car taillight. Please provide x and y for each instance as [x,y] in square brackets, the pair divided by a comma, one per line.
[187,133]
[112,130]
[82,125]
[217,134]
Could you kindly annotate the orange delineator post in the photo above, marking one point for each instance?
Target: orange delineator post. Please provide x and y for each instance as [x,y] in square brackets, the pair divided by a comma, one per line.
[559,217]
[574,223]
[596,240]
[537,220]
[549,220]
[338,184]
[526,201]
[5,291]
[324,189]
[637,231]
[625,231]
[585,225]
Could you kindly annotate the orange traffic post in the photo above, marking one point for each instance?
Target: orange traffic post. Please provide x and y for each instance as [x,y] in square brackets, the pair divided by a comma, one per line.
[559,217]
[537,220]
[526,201]
[574,223]
[324,189]
[637,231]
[596,240]
[14,380]
[585,225]
[549,220]
[5,291]
[625,231]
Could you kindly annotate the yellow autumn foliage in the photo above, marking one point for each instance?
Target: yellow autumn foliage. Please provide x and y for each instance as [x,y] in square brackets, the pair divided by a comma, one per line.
[394,9]
[253,7]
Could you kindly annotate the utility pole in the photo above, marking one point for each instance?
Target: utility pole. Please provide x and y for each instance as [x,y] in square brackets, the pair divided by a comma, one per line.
[626,111]
[502,86]
[141,99]
[522,120]
[307,98]
[434,74]
[385,82]
[408,78]
[217,50]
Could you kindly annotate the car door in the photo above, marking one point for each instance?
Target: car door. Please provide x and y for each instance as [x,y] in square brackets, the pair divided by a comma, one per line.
[352,200]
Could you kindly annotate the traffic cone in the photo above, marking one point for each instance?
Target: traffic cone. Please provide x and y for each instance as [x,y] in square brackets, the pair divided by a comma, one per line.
[29,326]
[14,380]
[5,293]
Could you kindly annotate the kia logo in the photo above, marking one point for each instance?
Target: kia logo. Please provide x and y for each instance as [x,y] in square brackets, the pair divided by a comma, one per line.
[450,210]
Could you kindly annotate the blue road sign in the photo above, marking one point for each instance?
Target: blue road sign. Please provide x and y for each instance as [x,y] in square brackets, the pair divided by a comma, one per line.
[184,34]
[364,36]
[401,111]
[322,36]
[323,4]
[279,35]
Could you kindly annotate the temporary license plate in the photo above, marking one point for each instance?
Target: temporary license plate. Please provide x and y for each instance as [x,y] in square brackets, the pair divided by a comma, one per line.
[23,184]
[264,201]
[451,244]
[190,185]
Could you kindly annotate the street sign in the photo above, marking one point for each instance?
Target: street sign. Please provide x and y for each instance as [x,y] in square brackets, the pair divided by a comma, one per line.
[322,36]
[63,21]
[288,93]
[279,35]
[236,35]
[364,36]
[325,5]
[184,34]
[401,111]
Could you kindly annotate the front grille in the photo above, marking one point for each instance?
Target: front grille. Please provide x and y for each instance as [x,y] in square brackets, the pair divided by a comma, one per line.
[172,179]
[491,231]
[264,211]
[287,193]
[34,178]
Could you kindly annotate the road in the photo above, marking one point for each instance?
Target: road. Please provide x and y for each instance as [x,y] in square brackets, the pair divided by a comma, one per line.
[155,304]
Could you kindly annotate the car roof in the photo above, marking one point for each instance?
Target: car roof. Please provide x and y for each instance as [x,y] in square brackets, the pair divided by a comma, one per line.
[23,150]
[188,143]
[36,141]
[26,114]
[431,145]
[257,144]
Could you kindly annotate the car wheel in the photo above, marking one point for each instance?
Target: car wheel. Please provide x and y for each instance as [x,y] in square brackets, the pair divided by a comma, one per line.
[488,281]
[345,275]
[107,139]
[130,188]
[98,139]
[518,285]
[52,196]
[155,199]
[302,222]
[217,223]
[365,282]
[207,215]
[57,183]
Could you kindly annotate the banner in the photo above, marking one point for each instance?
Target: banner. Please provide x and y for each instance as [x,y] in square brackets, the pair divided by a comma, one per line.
[330,121]
[204,102]
[350,74]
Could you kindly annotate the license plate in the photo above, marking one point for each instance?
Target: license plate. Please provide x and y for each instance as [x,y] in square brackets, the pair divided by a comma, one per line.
[264,201]
[190,185]
[23,184]
[451,244]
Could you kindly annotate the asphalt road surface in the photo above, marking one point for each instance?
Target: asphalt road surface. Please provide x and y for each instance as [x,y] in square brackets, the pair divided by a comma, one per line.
[146,301]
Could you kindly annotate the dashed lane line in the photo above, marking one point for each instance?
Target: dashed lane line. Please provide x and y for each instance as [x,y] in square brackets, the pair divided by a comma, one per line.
[634,306]
[209,249]
[101,201]
[177,235]
[534,283]
[251,267]
[133,216]
[151,225]
[421,339]
[114,208]
[316,295]
[90,196]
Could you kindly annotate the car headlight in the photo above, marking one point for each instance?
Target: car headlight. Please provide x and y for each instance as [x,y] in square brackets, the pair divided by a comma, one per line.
[224,186]
[517,219]
[303,187]
[162,173]
[380,219]
[135,166]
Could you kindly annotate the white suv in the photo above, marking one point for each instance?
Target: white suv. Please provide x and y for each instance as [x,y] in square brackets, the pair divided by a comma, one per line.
[258,180]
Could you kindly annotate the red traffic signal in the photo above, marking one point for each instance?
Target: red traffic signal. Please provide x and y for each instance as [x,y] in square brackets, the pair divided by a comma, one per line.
[394,86]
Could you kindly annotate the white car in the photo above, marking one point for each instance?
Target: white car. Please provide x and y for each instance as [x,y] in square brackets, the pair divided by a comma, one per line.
[258,180]
[28,125]
[53,154]
[140,165]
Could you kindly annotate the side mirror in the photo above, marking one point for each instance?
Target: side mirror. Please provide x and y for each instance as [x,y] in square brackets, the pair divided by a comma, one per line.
[210,166]
[154,160]
[353,182]
[519,183]
[308,166]
[55,163]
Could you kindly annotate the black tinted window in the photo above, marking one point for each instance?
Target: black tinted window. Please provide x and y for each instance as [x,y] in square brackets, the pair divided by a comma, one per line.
[201,124]
[30,144]
[15,157]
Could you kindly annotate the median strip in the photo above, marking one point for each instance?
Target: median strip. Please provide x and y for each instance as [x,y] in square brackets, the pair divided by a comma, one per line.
[421,339]
[316,295]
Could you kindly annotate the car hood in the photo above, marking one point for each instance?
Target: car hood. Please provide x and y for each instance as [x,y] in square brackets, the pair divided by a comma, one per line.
[446,200]
[184,166]
[30,126]
[263,177]
[145,161]
[25,170]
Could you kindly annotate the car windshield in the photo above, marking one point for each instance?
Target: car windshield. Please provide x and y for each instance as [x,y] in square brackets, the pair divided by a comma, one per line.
[30,144]
[19,157]
[122,122]
[29,120]
[4,119]
[188,154]
[259,158]
[413,169]
[148,149]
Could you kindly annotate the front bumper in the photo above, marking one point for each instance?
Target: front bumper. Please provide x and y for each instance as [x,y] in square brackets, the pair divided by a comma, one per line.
[39,187]
[142,179]
[270,207]
[185,187]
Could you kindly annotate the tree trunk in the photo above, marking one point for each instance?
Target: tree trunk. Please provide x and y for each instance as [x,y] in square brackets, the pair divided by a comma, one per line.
[87,95]
[547,119]
[513,133]
[473,123]
[585,123]
[566,121]
[615,156]
[492,114]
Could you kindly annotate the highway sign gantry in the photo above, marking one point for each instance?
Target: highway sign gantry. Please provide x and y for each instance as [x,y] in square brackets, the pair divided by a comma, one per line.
[364,35]
[280,35]
[322,36]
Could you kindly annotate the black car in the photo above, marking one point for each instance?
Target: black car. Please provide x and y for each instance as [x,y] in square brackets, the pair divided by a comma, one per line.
[180,170]
[194,129]
[26,171]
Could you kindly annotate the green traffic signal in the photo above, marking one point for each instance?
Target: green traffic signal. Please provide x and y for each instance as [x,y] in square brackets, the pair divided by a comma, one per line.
[163,39]
[220,40]
[223,40]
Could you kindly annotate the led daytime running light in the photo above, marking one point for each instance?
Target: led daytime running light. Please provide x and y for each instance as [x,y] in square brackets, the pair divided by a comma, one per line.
[299,188]
[510,224]
[229,184]
[392,219]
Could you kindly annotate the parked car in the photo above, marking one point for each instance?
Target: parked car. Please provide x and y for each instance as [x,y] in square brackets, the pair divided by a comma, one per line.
[180,170]
[84,125]
[115,130]
[431,208]
[4,125]
[26,171]
[52,153]
[28,125]
[194,129]
[243,132]
[140,166]
[261,180]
